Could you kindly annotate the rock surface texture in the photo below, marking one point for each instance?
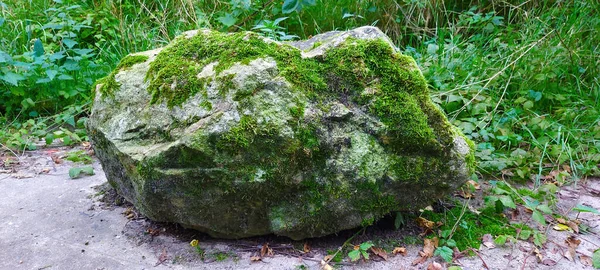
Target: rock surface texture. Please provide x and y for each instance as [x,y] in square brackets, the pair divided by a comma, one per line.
[237,135]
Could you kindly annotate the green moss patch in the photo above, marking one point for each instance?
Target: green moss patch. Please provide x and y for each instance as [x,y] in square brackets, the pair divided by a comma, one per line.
[108,84]
[370,72]
[470,227]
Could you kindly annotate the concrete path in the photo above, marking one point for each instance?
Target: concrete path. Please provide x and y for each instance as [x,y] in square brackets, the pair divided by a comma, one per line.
[49,221]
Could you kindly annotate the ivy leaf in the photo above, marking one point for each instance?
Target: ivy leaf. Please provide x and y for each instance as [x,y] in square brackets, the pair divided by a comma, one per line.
[290,6]
[399,221]
[444,252]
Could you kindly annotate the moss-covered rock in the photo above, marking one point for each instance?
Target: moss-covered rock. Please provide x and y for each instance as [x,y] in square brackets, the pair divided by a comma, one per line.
[237,135]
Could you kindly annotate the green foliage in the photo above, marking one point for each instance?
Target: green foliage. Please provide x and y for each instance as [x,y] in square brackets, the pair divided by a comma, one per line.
[360,250]
[50,69]
[77,171]
[445,252]
[79,156]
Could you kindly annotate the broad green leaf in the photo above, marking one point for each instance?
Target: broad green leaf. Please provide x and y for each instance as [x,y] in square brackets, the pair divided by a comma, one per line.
[12,78]
[74,172]
[444,252]
[366,246]
[399,220]
[365,254]
[77,171]
[539,238]
[51,73]
[69,42]
[525,234]
[290,6]
[454,268]
[451,243]
[507,201]
[585,209]
[49,138]
[227,20]
[354,255]
[539,217]
[544,208]
[596,259]
[501,240]
[38,48]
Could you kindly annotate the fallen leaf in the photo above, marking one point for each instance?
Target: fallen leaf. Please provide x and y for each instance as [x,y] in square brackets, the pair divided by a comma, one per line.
[266,250]
[488,241]
[585,260]
[152,232]
[514,214]
[429,246]
[162,258]
[194,243]
[538,255]
[399,250]
[325,265]
[561,220]
[561,227]
[379,252]
[306,247]
[434,266]
[573,225]
[45,170]
[56,159]
[328,258]
[465,194]
[255,259]
[474,184]
[549,262]
[572,243]
[424,223]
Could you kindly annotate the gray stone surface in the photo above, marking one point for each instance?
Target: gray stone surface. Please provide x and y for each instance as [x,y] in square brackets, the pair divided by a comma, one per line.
[257,150]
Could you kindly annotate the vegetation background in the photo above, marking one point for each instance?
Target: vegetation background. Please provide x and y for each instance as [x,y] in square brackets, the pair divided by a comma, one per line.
[521,78]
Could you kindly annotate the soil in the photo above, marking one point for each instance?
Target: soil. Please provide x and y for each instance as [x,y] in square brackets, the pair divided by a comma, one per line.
[50,221]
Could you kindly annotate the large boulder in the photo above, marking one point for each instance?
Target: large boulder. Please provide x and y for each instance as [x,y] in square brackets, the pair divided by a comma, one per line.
[237,135]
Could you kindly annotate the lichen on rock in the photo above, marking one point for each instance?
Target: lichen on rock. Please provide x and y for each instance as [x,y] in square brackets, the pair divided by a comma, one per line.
[237,135]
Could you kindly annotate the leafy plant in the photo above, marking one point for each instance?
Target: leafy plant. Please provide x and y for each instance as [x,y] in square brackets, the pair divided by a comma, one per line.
[360,251]
[78,171]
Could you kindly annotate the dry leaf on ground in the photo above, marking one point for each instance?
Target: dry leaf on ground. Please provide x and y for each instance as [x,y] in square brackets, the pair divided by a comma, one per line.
[572,243]
[435,266]
[379,252]
[162,258]
[306,247]
[266,251]
[325,265]
[399,250]
[429,246]
[488,241]
[255,259]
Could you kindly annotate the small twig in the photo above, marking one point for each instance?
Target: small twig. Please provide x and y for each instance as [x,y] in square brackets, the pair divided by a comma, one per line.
[481,258]
[525,261]
[344,244]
